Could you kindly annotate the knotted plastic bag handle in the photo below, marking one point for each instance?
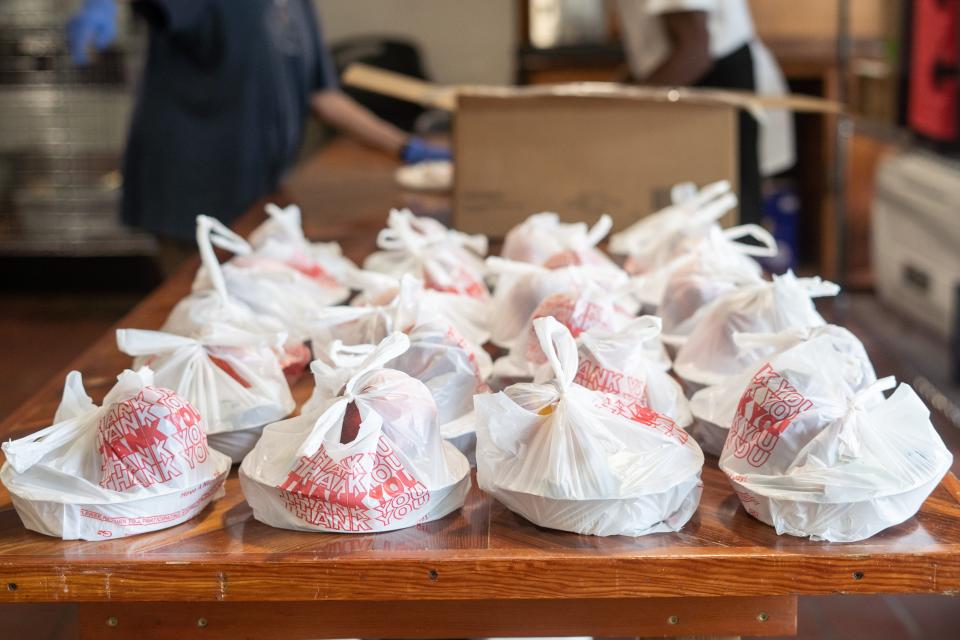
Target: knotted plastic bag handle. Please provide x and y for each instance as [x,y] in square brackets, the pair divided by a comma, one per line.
[560,348]
[349,355]
[142,342]
[779,339]
[597,232]
[289,219]
[758,233]
[210,233]
[389,348]
[399,235]
[881,384]
[849,446]
[394,345]
[816,287]
[712,210]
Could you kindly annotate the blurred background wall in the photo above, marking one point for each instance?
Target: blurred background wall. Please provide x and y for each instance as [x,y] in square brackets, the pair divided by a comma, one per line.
[461,41]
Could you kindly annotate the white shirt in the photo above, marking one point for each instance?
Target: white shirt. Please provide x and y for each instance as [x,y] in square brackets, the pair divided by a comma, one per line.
[730,26]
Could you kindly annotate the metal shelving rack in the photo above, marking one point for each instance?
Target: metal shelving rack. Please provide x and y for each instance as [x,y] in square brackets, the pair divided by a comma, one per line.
[62,130]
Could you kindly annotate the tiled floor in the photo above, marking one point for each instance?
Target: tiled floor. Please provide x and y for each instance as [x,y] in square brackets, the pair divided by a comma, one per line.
[39,334]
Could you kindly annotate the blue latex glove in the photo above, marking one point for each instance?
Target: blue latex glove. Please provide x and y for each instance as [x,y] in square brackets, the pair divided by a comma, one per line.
[419,150]
[94,25]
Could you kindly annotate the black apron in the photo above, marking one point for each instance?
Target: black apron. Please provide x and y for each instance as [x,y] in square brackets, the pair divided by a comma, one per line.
[735,71]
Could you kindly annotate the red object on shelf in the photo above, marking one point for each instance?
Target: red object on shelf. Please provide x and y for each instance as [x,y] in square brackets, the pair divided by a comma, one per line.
[934,107]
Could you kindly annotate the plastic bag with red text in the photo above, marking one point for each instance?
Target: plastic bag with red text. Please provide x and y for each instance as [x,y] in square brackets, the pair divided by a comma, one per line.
[631,364]
[591,306]
[815,456]
[232,377]
[714,407]
[567,457]
[521,287]
[138,463]
[369,459]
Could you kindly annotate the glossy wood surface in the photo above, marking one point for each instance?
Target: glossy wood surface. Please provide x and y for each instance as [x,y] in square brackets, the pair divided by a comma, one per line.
[483,552]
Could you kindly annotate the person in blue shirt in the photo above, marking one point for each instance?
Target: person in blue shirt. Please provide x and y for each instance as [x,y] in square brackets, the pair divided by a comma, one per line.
[226,91]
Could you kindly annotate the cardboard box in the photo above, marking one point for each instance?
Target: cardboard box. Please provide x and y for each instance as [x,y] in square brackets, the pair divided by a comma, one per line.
[520,152]
[581,149]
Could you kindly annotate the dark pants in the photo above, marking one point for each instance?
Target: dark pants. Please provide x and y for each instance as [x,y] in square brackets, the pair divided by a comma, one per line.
[735,71]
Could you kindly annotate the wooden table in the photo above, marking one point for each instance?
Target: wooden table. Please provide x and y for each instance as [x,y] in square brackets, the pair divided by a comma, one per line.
[482,571]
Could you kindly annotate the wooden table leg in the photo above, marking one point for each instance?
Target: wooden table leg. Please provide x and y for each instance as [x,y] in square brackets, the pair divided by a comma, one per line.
[659,617]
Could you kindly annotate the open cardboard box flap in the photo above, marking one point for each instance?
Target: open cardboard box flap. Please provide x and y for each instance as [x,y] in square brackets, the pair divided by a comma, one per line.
[445,97]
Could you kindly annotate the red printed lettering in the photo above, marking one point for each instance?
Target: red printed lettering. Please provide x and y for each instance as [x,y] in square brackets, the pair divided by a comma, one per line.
[767,408]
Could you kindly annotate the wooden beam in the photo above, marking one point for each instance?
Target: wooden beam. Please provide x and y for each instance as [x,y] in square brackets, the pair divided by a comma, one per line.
[441,619]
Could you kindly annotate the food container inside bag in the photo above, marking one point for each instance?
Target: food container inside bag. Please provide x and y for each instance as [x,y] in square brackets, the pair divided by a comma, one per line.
[629,363]
[280,238]
[267,286]
[715,407]
[570,458]
[592,305]
[439,357]
[521,287]
[453,371]
[401,307]
[231,376]
[715,266]
[811,457]
[138,463]
[444,259]
[710,354]
[369,459]
[543,239]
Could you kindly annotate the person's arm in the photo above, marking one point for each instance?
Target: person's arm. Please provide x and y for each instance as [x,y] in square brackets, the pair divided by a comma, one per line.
[337,109]
[689,58]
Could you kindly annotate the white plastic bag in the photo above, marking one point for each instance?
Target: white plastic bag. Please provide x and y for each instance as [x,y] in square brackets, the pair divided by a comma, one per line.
[542,239]
[454,371]
[712,266]
[192,315]
[521,287]
[629,363]
[369,459]
[411,306]
[563,457]
[710,354]
[715,407]
[812,458]
[444,259]
[232,377]
[280,238]
[470,316]
[440,358]
[658,238]
[269,287]
[590,307]
[139,463]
